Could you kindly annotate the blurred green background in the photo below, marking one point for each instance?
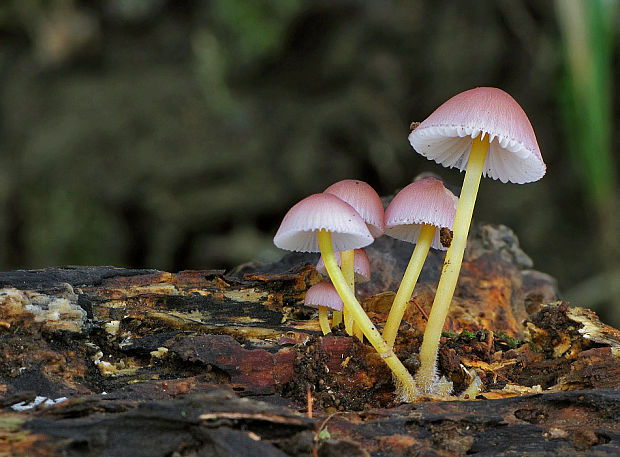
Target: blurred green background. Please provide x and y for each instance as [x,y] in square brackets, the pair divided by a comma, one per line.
[176,134]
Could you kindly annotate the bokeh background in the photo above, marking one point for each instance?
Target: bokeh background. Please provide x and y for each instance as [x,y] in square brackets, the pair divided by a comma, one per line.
[176,134]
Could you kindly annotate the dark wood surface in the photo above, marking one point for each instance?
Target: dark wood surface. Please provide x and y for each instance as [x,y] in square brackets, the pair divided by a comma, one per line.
[220,363]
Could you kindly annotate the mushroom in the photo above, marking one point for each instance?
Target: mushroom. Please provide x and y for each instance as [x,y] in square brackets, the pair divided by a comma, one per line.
[361,271]
[368,204]
[415,215]
[483,131]
[320,223]
[325,297]
[364,199]
[361,265]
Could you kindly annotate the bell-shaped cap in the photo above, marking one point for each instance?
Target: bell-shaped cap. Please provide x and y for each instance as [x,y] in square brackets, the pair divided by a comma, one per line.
[447,134]
[426,201]
[323,294]
[364,199]
[361,265]
[298,231]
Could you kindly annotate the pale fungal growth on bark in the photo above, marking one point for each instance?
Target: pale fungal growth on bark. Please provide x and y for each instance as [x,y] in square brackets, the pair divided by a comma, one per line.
[483,131]
[322,223]
[416,215]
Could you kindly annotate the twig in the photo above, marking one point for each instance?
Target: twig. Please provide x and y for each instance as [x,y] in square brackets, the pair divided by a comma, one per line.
[315,449]
[420,309]
[309,401]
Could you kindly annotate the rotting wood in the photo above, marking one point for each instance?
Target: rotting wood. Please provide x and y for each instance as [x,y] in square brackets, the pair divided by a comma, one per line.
[116,341]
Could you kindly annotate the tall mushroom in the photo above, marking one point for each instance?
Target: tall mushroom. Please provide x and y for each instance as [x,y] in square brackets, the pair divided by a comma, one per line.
[483,131]
[415,215]
[361,196]
[322,223]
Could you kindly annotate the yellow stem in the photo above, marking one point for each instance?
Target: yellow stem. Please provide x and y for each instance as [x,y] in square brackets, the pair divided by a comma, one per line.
[346,266]
[410,278]
[404,380]
[452,264]
[358,332]
[323,321]
[348,323]
[336,318]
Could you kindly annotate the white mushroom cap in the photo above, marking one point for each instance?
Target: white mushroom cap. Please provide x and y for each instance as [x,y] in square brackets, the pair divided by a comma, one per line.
[364,199]
[298,231]
[361,265]
[323,294]
[426,201]
[447,134]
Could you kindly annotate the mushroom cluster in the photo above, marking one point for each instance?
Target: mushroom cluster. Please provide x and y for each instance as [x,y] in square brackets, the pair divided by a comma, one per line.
[324,223]
[482,131]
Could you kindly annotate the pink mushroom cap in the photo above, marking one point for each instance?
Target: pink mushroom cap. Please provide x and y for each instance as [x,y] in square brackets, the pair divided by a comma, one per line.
[426,201]
[447,134]
[361,265]
[364,199]
[323,294]
[298,231]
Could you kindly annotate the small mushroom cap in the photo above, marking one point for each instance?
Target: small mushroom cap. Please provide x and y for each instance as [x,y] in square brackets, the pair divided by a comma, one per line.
[323,294]
[364,199]
[426,201]
[447,134]
[298,231]
[361,265]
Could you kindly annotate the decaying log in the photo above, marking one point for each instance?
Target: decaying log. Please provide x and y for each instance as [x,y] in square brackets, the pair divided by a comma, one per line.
[144,362]
[219,423]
